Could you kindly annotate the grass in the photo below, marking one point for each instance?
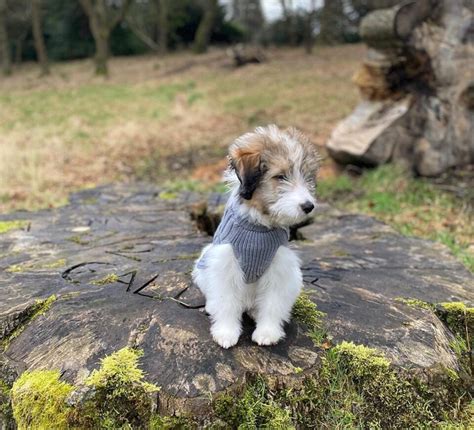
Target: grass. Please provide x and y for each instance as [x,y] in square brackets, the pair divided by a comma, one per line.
[170,121]
[155,119]
[414,206]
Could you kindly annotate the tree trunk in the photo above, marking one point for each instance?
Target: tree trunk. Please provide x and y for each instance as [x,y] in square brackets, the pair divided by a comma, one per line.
[332,22]
[163,26]
[203,33]
[40,47]
[4,41]
[102,52]
[417,89]
[19,48]
[102,21]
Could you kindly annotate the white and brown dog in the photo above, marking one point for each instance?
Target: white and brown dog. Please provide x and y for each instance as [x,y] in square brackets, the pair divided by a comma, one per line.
[249,266]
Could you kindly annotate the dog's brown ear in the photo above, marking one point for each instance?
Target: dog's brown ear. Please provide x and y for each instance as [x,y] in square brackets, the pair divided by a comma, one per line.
[247,163]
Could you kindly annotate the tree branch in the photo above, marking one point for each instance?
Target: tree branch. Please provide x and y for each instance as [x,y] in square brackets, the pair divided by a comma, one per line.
[121,14]
[142,36]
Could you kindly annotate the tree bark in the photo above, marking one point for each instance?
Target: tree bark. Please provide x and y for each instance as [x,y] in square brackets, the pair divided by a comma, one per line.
[102,52]
[417,89]
[162,26]
[40,47]
[4,41]
[203,33]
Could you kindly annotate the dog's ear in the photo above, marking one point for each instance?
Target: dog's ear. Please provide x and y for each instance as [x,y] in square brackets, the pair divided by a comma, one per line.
[245,159]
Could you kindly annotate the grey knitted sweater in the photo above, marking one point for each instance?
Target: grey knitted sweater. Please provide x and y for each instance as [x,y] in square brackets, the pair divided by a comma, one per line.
[254,245]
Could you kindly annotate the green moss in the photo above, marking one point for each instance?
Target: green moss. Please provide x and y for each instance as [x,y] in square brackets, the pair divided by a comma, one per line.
[16,268]
[6,226]
[39,400]
[415,303]
[254,409]
[61,262]
[121,399]
[388,399]
[460,320]
[159,422]
[79,239]
[306,312]
[6,412]
[355,387]
[168,195]
[108,279]
[20,268]
[39,308]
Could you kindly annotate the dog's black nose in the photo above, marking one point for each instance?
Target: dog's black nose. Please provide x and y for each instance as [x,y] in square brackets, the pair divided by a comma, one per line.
[307,207]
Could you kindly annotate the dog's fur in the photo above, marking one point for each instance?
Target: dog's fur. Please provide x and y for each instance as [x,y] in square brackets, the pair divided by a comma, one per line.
[272,173]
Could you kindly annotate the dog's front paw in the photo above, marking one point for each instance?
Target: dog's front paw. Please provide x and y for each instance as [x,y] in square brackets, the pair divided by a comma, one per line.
[267,335]
[225,336]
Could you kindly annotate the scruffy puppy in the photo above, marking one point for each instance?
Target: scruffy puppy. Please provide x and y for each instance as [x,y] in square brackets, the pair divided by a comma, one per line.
[249,266]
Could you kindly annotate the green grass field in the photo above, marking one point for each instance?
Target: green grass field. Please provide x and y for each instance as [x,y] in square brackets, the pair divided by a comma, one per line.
[170,121]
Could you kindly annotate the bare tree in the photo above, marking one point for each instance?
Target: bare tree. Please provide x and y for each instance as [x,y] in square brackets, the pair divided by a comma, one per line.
[4,40]
[38,37]
[203,33]
[288,13]
[103,17]
[249,15]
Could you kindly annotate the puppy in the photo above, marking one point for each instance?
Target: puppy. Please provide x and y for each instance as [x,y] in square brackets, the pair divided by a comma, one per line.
[249,266]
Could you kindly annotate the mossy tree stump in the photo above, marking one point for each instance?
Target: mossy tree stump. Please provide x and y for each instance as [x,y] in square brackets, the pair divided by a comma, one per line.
[114,269]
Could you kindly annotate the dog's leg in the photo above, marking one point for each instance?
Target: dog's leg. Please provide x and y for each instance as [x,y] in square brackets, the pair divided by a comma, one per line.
[221,283]
[277,291]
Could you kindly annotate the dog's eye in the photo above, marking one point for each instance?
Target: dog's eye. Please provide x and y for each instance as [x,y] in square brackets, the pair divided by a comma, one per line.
[280,177]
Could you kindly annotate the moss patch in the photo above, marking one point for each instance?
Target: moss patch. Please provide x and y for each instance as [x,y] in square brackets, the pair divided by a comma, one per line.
[121,397]
[39,400]
[79,239]
[306,312]
[459,318]
[6,226]
[355,388]
[108,279]
[6,412]
[20,268]
[255,408]
[39,308]
[415,303]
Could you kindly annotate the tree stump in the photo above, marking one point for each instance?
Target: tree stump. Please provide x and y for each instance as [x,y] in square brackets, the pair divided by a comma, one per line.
[417,86]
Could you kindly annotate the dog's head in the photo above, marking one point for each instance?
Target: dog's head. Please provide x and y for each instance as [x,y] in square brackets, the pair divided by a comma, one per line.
[276,170]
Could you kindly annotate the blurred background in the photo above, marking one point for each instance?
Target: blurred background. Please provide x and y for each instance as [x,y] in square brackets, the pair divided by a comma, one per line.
[97,91]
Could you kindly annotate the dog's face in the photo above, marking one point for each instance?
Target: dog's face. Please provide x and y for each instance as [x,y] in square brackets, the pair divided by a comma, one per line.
[277,173]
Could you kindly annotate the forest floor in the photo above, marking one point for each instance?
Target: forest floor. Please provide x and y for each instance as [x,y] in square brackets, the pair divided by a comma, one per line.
[170,120]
